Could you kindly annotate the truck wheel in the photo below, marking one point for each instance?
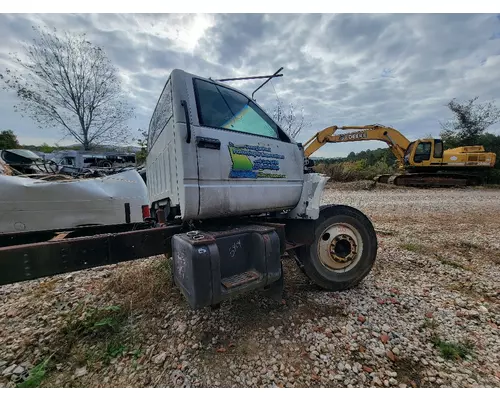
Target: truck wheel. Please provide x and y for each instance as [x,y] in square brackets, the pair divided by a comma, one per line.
[343,251]
[104,164]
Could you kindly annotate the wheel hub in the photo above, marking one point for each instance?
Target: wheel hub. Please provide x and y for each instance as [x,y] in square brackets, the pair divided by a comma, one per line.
[343,248]
[339,247]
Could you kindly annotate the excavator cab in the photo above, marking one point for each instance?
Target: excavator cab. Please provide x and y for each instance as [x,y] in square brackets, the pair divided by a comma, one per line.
[424,152]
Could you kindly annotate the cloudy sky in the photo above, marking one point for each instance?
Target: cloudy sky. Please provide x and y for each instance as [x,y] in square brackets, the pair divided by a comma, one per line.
[397,70]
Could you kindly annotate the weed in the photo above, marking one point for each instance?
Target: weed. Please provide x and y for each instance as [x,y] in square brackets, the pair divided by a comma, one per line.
[430,323]
[115,349]
[136,354]
[451,263]
[451,350]
[93,321]
[36,376]
[413,247]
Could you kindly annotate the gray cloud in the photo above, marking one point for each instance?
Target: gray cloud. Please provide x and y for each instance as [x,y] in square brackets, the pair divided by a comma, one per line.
[397,70]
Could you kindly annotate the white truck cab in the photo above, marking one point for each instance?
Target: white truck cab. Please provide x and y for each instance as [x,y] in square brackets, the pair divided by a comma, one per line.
[214,152]
[224,172]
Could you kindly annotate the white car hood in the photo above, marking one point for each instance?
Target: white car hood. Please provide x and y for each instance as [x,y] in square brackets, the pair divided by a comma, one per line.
[30,204]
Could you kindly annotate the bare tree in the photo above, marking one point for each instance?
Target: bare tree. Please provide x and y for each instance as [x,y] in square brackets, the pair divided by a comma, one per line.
[291,121]
[71,84]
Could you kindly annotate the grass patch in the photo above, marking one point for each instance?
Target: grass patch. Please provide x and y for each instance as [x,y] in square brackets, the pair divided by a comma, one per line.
[36,376]
[115,349]
[91,334]
[409,372]
[451,350]
[413,247]
[87,321]
[468,289]
[142,286]
[95,335]
[451,263]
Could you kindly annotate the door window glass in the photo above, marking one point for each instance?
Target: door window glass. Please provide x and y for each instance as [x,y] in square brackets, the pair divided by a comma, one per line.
[438,149]
[67,161]
[224,108]
[423,152]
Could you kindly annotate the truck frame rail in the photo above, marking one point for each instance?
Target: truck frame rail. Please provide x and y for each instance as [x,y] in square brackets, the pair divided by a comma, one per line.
[31,255]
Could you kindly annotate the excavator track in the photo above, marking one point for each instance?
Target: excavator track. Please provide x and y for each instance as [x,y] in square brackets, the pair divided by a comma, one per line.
[429,180]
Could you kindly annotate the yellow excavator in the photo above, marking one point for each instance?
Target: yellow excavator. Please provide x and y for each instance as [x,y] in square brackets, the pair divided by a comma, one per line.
[422,162]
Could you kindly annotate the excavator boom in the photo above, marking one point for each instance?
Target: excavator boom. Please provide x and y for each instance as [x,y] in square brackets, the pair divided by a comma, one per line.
[396,141]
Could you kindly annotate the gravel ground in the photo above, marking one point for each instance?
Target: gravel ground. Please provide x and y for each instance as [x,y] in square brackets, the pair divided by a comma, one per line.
[428,315]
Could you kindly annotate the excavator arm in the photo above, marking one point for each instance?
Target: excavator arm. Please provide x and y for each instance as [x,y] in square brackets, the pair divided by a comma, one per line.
[396,141]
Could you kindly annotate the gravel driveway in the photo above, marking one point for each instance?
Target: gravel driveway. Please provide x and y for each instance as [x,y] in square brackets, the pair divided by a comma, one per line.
[428,315]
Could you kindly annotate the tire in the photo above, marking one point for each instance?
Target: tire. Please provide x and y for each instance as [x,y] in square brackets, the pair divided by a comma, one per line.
[354,236]
[104,164]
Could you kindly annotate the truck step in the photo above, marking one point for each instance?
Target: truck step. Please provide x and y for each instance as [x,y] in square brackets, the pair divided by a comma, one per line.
[240,279]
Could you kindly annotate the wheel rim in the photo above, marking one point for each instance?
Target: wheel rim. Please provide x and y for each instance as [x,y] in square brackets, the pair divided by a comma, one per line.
[340,247]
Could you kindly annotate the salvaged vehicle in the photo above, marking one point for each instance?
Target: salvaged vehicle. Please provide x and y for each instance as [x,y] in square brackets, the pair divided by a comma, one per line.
[33,204]
[230,193]
[23,161]
[79,159]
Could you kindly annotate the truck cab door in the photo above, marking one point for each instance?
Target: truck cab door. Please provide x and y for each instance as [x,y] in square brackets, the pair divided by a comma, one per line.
[246,163]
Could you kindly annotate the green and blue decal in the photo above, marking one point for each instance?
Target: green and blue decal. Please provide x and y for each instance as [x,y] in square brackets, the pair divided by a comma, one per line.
[264,159]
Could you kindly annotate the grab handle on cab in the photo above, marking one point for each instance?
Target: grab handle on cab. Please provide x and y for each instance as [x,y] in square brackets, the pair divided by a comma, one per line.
[188,123]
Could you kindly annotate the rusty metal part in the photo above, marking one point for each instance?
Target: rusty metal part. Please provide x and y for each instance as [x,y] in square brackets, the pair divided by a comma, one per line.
[340,247]
[17,238]
[160,215]
[240,279]
[40,258]
[343,248]
[60,236]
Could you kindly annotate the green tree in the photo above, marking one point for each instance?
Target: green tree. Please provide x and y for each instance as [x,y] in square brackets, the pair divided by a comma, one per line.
[143,143]
[45,148]
[470,121]
[8,140]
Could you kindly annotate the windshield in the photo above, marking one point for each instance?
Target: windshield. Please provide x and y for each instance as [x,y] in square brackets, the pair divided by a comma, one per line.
[25,153]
